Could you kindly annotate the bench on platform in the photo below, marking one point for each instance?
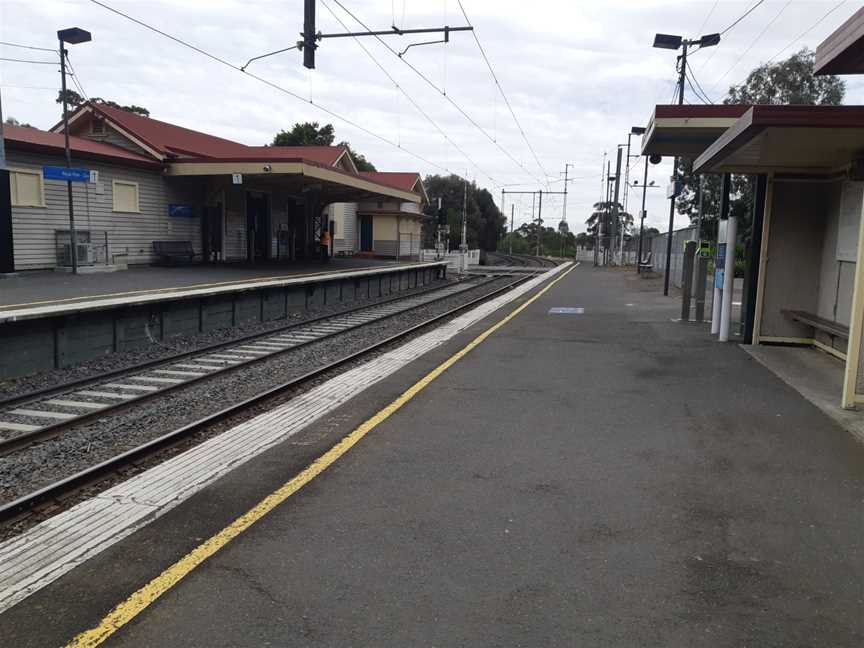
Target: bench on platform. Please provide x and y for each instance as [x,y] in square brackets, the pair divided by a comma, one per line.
[172,252]
[818,323]
[646,263]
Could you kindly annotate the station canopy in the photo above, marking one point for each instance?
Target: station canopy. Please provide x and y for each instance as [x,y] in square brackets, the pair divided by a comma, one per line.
[843,51]
[686,131]
[788,139]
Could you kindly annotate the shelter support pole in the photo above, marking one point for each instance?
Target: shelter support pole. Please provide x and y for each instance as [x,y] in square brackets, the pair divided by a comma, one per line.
[751,272]
[728,279]
[763,258]
[725,189]
[699,292]
[856,326]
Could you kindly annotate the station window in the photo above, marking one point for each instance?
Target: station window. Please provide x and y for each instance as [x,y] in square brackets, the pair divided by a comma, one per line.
[27,188]
[126,196]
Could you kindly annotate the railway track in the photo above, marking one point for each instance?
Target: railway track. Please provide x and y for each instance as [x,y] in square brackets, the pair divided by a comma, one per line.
[38,416]
[60,490]
[521,260]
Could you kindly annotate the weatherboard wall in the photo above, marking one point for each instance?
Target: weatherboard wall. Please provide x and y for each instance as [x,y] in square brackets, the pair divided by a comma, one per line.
[130,235]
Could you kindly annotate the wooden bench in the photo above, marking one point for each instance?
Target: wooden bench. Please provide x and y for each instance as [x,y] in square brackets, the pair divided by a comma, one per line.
[819,323]
[172,252]
[646,263]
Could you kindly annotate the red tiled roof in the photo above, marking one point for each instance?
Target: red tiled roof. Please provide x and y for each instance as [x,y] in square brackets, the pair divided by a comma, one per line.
[24,138]
[404,181]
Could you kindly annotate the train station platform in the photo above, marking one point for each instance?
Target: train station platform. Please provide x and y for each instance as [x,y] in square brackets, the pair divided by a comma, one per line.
[572,468]
[46,287]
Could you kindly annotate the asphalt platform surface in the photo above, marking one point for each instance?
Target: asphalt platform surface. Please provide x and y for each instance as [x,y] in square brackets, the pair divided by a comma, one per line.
[606,478]
[45,286]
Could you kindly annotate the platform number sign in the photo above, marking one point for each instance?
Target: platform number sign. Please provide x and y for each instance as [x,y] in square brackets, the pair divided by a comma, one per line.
[237,178]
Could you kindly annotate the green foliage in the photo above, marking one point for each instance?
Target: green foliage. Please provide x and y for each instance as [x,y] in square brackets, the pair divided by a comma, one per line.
[306,134]
[73,99]
[604,217]
[360,161]
[485,224]
[785,82]
[11,121]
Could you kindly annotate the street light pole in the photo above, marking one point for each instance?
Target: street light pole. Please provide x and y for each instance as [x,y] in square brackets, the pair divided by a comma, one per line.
[642,216]
[73,35]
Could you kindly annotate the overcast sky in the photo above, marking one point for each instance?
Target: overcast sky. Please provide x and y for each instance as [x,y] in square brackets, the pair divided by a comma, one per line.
[578,75]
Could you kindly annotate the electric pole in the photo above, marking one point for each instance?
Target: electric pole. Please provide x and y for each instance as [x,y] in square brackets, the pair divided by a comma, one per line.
[463,246]
[563,230]
[512,208]
[616,224]
[682,76]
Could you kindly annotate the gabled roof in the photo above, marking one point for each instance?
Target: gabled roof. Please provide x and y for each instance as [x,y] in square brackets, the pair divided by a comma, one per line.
[407,181]
[33,139]
[323,155]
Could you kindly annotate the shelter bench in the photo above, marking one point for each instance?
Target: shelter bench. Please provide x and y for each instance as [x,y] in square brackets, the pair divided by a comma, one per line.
[646,263]
[171,252]
[818,323]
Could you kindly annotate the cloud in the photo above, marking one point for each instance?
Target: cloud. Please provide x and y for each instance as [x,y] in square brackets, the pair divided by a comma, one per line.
[578,76]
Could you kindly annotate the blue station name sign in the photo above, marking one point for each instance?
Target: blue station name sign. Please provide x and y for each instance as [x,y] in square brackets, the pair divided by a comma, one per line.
[62,173]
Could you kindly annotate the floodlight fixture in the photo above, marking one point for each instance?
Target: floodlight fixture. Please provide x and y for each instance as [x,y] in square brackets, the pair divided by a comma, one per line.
[637,130]
[709,40]
[667,41]
[74,35]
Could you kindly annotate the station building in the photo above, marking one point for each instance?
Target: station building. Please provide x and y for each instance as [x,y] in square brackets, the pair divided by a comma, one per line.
[154,181]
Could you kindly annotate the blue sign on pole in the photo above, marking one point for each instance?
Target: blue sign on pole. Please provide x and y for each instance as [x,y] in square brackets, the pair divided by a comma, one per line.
[62,173]
[181,210]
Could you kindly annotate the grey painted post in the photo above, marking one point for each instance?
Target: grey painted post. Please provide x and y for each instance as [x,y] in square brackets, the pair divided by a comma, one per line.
[701,277]
[687,280]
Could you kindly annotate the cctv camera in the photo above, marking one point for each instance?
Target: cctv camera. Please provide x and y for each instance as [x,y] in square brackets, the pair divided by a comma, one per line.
[655,159]
[267,168]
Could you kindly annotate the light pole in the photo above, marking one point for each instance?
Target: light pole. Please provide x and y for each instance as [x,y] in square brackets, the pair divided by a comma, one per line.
[73,36]
[668,41]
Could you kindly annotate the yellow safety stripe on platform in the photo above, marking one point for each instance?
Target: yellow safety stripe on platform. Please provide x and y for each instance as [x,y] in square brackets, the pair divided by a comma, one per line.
[140,600]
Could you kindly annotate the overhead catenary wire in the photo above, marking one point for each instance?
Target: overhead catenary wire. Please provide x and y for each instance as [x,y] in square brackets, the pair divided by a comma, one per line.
[808,30]
[30,47]
[15,60]
[751,46]
[410,98]
[275,86]
[439,90]
[501,90]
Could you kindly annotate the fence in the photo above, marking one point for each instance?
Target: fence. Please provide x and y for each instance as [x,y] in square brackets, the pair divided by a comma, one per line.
[657,246]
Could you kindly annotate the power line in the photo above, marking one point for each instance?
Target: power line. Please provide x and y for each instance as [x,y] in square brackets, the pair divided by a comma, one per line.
[15,60]
[409,97]
[431,84]
[275,86]
[501,90]
[74,77]
[710,13]
[738,20]
[30,47]
[809,29]
[751,46]
[692,77]
[742,17]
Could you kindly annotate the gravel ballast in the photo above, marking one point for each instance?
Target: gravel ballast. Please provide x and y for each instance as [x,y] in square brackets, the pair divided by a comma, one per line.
[40,465]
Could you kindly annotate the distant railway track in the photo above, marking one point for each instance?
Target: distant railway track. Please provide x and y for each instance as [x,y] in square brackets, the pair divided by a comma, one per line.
[320,329]
[522,260]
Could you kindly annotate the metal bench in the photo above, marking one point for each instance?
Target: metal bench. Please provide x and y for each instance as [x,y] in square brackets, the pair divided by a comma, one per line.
[819,323]
[646,263]
[172,252]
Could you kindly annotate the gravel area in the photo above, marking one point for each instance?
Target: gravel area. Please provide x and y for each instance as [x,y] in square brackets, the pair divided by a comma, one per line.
[45,463]
[10,387]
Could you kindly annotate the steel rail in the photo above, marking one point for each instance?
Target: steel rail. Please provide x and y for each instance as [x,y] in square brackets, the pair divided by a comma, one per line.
[60,388]
[26,439]
[98,472]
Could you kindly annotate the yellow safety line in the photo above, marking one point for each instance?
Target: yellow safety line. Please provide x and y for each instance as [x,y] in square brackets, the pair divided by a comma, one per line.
[140,600]
[251,280]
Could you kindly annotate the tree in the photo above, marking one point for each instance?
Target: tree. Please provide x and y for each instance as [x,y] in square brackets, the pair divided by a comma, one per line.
[313,134]
[73,99]
[306,134]
[603,217]
[786,82]
[11,121]
[360,160]
[485,222]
